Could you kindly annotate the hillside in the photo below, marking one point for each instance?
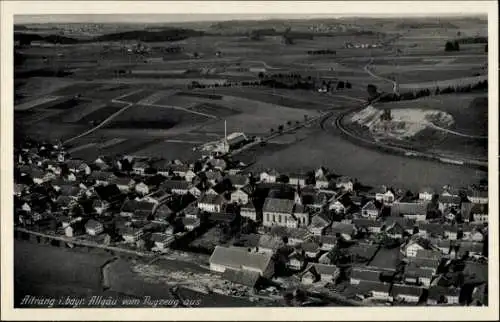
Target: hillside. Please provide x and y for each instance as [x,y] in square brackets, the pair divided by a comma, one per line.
[151,36]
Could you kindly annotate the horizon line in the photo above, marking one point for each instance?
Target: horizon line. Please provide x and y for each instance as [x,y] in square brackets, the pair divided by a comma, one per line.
[187,18]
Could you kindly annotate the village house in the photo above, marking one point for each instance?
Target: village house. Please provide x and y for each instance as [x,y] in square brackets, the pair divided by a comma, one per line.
[426,194]
[297,235]
[143,211]
[100,206]
[474,249]
[376,290]
[195,191]
[312,249]
[65,202]
[162,167]
[78,166]
[431,254]
[422,262]
[69,190]
[239,196]
[322,182]
[214,177]
[337,206]
[412,210]
[327,242]
[479,213]
[234,258]
[211,191]
[158,197]
[385,196]
[162,212]
[269,176]
[297,260]
[20,189]
[139,167]
[38,176]
[142,189]
[319,223]
[370,210]
[417,244]
[131,235]
[179,187]
[53,166]
[109,193]
[190,223]
[103,162]
[128,208]
[449,191]
[319,272]
[102,177]
[406,293]
[189,176]
[238,181]
[477,196]
[370,225]
[345,183]
[248,211]
[442,295]
[316,201]
[269,244]
[449,202]
[297,179]
[161,240]
[450,231]
[428,230]
[218,164]
[418,276]
[211,203]
[125,184]
[444,245]
[93,227]
[345,230]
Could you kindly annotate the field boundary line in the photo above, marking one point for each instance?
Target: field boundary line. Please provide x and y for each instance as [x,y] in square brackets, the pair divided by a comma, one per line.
[106,121]
[180,109]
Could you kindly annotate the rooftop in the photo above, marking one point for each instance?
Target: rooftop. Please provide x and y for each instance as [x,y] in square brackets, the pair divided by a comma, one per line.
[278,205]
[237,258]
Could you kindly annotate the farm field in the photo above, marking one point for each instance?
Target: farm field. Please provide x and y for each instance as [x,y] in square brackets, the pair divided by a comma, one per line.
[154,117]
[122,146]
[420,76]
[267,96]
[170,150]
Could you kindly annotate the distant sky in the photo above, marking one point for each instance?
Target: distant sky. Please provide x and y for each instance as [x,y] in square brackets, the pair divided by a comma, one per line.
[165,18]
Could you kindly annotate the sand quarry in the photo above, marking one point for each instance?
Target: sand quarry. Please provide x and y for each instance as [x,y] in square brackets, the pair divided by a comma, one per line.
[405,123]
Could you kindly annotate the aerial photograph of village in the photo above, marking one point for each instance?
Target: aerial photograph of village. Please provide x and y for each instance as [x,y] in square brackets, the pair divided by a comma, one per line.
[244,162]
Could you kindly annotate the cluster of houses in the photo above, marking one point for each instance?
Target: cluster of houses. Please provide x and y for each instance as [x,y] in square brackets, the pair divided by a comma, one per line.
[349,44]
[314,225]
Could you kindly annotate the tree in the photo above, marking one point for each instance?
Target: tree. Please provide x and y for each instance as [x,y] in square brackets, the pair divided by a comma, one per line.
[271,130]
[289,123]
[280,128]
[372,90]
[348,85]
[261,75]
[340,85]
